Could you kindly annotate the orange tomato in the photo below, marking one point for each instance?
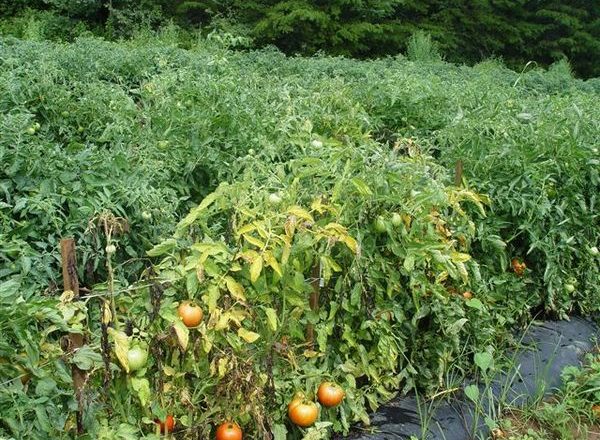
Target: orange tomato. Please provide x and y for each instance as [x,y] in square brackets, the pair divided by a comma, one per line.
[330,394]
[518,267]
[467,295]
[190,314]
[303,413]
[166,426]
[229,431]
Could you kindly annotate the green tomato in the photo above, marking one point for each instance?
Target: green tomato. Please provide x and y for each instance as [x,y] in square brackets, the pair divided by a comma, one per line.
[380,226]
[137,358]
[146,215]
[570,288]
[594,251]
[110,249]
[396,219]
[274,199]
[31,130]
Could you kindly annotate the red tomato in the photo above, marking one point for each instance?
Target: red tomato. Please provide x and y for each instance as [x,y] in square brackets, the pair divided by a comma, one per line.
[229,431]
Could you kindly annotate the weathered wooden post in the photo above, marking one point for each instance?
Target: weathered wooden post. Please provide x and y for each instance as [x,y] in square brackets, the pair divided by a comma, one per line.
[458,173]
[71,282]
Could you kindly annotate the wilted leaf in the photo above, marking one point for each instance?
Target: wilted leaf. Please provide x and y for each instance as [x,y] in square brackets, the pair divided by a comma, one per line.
[300,213]
[235,289]
[183,334]
[279,432]
[247,335]
[121,343]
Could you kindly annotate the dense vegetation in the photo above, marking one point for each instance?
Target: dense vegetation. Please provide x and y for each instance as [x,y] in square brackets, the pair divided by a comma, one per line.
[519,31]
[248,196]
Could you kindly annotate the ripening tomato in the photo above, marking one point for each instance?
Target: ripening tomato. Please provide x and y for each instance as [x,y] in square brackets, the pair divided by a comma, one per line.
[596,410]
[330,394]
[190,314]
[518,267]
[137,358]
[166,426]
[229,431]
[467,295]
[303,413]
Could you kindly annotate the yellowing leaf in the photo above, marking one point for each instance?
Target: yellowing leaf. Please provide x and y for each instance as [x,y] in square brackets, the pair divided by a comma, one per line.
[300,213]
[121,343]
[285,255]
[272,261]
[223,367]
[182,333]
[255,241]
[247,335]
[106,313]
[351,243]
[245,229]
[256,269]
[235,289]
[223,322]
[459,257]
[271,318]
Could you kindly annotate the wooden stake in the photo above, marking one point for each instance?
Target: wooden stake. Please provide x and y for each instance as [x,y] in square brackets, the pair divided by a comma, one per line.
[458,173]
[71,282]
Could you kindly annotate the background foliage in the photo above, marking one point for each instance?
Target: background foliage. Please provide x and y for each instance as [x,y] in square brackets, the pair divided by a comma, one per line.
[519,31]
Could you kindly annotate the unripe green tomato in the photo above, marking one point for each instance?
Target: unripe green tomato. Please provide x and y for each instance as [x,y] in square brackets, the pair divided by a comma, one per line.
[137,358]
[65,114]
[146,215]
[274,199]
[31,130]
[396,219]
[110,249]
[380,225]
[594,251]
[570,288]
[317,143]
[251,152]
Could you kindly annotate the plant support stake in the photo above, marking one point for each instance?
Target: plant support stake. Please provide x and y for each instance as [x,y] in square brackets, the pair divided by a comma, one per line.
[71,282]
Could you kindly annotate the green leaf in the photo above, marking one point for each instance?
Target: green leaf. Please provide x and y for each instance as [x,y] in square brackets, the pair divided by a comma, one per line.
[162,248]
[142,387]
[472,392]
[85,358]
[484,361]
[475,304]
[279,432]
[195,213]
